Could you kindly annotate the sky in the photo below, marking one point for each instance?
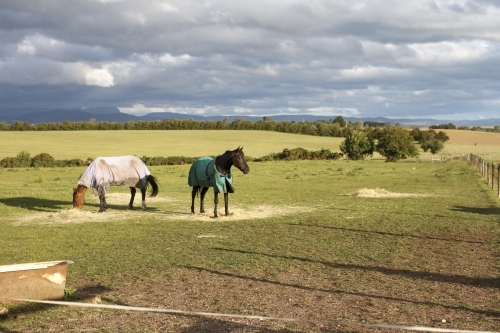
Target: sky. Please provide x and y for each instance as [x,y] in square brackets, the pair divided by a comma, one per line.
[436,59]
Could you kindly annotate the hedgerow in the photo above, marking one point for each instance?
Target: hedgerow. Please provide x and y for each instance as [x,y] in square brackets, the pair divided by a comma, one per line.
[45,160]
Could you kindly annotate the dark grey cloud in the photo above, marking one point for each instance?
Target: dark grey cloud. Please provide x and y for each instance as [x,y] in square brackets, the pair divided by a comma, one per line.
[354,58]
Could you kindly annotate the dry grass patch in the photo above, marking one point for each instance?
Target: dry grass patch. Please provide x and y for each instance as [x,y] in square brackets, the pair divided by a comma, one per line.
[461,137]
[172,211]
[381,193]
[238,214]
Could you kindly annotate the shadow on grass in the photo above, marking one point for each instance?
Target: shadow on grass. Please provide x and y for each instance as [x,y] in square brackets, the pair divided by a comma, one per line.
[48,205]
[20,309]
[476,210]
[217,325]
[37,204]
[438,277]
[491,313]
[383,233]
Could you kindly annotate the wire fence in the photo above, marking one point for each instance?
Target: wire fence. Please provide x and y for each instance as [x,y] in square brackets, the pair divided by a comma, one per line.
[489,171]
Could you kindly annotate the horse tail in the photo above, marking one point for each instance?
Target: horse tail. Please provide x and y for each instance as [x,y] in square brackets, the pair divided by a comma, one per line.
[154,185]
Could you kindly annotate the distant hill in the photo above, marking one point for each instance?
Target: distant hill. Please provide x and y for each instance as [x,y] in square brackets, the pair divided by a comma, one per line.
[113,114]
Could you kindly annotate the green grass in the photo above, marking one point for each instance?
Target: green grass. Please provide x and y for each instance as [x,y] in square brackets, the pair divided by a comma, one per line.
[334,256]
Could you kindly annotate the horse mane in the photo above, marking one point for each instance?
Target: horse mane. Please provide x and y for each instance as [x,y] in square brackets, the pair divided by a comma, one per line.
[224,162]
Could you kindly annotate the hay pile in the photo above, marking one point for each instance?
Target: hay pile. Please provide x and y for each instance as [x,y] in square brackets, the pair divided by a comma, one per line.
[381,193]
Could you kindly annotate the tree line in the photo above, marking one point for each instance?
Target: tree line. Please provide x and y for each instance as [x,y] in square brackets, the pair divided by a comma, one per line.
[334,127]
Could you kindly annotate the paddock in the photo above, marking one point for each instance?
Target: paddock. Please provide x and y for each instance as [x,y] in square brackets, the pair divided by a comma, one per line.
[419,250]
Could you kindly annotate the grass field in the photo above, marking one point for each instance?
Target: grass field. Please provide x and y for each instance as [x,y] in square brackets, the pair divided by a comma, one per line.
[338,241]
[84,144]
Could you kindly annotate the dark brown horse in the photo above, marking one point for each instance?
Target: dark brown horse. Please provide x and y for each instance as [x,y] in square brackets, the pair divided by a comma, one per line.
[104,172]
[207,172]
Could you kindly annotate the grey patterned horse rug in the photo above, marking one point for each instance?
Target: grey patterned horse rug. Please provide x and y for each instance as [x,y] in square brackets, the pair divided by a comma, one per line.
[207,172]
[104,172]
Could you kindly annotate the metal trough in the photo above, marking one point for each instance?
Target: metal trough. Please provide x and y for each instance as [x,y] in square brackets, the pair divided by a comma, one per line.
[36,281]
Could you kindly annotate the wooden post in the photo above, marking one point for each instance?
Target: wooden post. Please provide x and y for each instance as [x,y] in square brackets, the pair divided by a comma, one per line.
[493,176]
[488,173]
[498,181]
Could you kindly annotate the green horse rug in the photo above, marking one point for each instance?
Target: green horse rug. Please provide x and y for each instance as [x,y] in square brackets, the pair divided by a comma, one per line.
[208,172]
[203,173]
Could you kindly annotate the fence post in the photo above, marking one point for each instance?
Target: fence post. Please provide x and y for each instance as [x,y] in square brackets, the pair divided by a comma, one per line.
[488,173]
[498,181]
[493,176]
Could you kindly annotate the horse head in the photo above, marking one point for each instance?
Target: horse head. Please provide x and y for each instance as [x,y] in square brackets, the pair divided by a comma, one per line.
[79,196]
[239,160]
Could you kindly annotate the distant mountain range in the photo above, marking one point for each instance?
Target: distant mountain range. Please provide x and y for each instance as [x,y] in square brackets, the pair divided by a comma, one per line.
[113,114]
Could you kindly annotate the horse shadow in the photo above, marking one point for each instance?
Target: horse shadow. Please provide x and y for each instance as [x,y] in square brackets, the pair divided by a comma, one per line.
[52,206]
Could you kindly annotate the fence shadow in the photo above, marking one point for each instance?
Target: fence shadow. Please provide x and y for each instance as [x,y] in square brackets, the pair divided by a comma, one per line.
[438,277]
[384,233]
[491,313]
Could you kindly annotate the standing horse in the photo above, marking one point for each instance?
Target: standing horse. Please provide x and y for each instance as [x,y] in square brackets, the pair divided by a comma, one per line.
[104,172]
[207,172]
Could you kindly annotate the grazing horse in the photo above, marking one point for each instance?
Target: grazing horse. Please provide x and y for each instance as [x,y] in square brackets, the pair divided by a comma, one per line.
[104,172]
[207,172]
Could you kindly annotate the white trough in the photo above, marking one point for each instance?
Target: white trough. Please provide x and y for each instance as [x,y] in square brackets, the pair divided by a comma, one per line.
[36,281]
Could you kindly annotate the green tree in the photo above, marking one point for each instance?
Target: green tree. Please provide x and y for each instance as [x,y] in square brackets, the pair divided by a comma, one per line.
[22,160]
[395,143]
[357,145]
[43,160]
[341,121]
[430,140]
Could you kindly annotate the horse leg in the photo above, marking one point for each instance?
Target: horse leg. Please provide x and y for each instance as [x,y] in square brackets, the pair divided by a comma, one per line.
[202,199]
[226,203]
[193,196]
[216,201]
[132,196]
[102,203]
[143,193]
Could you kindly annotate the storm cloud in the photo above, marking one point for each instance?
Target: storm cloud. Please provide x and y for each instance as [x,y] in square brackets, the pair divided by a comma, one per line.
[420,59]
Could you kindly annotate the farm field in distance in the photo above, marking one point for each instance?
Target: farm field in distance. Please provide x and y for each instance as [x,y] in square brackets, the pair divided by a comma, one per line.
[341,242]
[84,144]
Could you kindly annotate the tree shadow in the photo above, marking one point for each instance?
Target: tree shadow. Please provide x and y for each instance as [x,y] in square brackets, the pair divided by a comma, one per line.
[476,210]
[438,277]
[36,204]
[491,313]
[383,233]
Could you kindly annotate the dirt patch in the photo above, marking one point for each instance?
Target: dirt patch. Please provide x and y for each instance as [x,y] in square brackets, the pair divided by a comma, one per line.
[381,193]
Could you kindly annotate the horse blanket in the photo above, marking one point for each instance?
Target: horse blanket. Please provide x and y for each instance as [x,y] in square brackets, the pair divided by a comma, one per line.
[204,173]
[103,172]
